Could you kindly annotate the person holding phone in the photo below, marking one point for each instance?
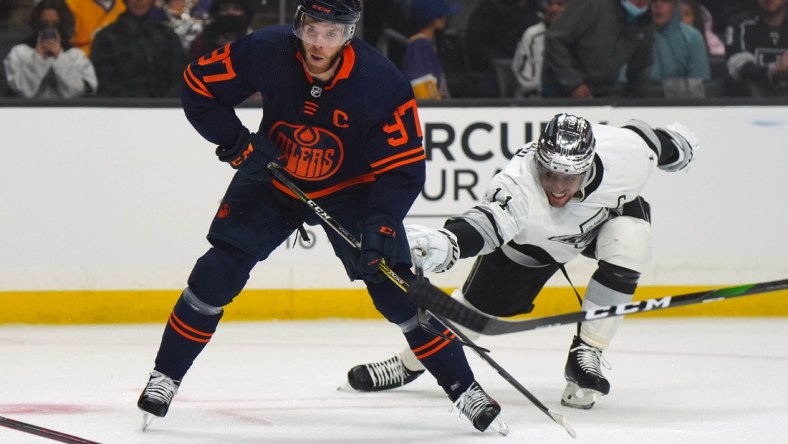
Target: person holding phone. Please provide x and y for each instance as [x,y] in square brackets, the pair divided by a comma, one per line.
[45,65]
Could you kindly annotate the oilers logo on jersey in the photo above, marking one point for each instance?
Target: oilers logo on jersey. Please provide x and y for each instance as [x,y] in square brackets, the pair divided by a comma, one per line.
[311,153]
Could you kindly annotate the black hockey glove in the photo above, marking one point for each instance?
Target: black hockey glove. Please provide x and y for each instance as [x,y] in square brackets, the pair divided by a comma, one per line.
[251,154]
[378,243]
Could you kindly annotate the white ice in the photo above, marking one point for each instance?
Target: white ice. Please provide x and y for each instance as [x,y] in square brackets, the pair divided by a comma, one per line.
[673,381]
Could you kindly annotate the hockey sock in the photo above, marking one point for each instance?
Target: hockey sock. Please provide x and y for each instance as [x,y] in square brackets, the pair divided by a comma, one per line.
[444,358]
[187,332]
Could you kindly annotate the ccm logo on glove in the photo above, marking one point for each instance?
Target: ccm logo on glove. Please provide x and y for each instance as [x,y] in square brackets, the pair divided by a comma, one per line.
[238,161]
[251,153]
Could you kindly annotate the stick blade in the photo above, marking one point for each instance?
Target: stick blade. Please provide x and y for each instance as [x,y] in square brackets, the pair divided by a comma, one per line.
[562,421]
[433,299]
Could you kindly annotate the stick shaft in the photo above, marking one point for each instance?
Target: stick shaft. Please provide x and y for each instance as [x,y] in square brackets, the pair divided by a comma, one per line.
[42,432]
[436,301]
[331,222]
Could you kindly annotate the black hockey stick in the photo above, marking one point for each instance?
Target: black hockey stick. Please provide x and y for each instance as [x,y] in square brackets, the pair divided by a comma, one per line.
[436,301]
[43,432]
[559,419]
[482,353]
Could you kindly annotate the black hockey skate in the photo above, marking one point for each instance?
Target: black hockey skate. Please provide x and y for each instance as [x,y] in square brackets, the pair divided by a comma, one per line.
[383,375]
[481,410]
[156,397]
[584,376]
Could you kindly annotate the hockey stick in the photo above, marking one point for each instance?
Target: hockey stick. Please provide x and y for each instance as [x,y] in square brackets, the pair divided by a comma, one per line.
[436,301]
[482,353]
[274,168]
[43,432]
[559,419]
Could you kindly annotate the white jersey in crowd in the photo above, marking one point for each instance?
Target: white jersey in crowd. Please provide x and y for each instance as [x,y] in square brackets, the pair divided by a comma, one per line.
[515,206]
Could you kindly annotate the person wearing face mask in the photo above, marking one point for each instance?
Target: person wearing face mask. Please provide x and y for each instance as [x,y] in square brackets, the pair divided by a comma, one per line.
[229,21]
[45,65]
[681,63]
[599,48]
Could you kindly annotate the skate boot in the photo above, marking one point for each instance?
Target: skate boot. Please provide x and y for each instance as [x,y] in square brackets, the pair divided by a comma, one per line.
[156,397]
[481,410]
[584,376]
[383,375]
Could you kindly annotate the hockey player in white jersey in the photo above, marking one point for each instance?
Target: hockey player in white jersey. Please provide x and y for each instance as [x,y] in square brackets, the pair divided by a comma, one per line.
[574,191]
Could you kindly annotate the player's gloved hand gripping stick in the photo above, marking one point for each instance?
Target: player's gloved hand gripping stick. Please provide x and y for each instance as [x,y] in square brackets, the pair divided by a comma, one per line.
[251,153]
[275,170]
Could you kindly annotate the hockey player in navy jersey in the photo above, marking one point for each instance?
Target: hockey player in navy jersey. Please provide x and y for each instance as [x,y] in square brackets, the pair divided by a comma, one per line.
[341,120]
[574,191]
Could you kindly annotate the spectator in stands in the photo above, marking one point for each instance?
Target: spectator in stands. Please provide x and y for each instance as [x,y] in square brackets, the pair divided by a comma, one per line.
[727,11]
[681,62]
[699,17]
[229,21]
[529,54]
[757,49]
[183,16]
[89,17]
[137,57]
[14,24]
[494,28]
[599,48]
[421,64]
[45,65]
[15,14]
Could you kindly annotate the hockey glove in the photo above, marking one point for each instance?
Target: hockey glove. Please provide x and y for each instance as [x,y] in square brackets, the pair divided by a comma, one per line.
[686,143]
[435,250]
[378,243]
[251,154]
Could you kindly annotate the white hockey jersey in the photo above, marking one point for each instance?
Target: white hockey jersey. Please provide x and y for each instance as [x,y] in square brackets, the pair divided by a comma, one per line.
[515,207]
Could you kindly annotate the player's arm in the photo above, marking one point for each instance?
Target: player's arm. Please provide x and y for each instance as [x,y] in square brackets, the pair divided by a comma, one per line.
[396,157]
[398,162]
[675,145]
[494,221]
[483,228]
[213,85]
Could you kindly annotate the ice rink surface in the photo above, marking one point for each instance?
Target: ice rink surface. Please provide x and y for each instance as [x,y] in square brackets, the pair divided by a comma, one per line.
[673,381]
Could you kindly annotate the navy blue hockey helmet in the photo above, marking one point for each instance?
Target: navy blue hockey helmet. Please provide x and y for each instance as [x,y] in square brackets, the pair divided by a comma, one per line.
[343,14]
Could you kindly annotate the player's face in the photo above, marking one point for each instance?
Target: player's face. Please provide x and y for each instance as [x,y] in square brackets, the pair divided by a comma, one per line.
[559,187]
[323,42]
[320,33]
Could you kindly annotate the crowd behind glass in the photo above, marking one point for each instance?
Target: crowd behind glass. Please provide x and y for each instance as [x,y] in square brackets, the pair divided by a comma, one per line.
[470,49]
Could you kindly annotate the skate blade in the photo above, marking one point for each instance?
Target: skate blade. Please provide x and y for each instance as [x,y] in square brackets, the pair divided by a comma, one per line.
[147,419]
[499,427]
[577,397]
[346,387]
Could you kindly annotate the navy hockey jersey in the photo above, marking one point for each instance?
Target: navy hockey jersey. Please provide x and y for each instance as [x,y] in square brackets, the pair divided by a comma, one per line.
[360,127]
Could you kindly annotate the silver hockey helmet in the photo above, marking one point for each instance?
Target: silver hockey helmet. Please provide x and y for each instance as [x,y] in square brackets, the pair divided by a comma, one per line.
[338,17]
[566,145]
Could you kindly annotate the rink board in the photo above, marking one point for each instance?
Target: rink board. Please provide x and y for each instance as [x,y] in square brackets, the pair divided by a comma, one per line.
[105,229]
[107,307]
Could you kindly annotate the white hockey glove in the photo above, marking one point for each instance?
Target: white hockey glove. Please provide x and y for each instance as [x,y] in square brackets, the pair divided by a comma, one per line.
[434,250]
[686,143]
